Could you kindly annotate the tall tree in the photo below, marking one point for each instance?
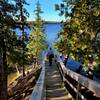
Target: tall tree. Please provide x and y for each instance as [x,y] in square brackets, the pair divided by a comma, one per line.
[8,39]
[21,18]
[84,17]
[6,42]
[37,39]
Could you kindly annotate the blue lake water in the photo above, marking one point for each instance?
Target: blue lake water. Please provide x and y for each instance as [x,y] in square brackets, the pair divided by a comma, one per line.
[51,31]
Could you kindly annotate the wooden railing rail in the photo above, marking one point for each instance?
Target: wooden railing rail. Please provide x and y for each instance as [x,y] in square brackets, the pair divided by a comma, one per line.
[38,91]
[91,85]
[86,82]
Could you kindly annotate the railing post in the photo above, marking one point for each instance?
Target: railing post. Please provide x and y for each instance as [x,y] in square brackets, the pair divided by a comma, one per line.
[78,90]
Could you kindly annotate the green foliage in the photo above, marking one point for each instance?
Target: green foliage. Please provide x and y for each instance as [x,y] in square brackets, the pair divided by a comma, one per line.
[12,48]
[79,33]
[22,15]
[10,15]
[7,42]
[7,23]
[37,39]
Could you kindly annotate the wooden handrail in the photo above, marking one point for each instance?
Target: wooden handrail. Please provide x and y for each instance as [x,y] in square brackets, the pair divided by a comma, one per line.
[92,85]
[86,82]
[38,91]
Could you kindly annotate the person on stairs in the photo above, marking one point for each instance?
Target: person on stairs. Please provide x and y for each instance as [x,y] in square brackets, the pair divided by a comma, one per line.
[50,56]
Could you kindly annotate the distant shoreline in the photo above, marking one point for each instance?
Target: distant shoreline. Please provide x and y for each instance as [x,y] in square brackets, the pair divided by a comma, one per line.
[52,22]
[46,22]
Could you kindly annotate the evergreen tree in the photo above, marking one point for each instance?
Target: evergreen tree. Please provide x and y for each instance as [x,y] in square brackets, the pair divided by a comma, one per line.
[7,38]
[37,39]
[9,45]
[21,19]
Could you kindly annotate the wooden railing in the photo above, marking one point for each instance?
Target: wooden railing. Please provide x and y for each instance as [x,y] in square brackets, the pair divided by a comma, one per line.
[77,82]
[38,91]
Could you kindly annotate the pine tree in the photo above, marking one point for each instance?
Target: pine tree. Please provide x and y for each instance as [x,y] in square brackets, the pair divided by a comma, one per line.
[37,39]
[9,45]
[7,38]
[21,19]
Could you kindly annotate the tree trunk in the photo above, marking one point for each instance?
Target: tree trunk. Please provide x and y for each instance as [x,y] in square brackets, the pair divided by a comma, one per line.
[68,56]
[22,26]
[3,74]
[23,65]
[23,39]
[36,58]
[23,70]
[17,70]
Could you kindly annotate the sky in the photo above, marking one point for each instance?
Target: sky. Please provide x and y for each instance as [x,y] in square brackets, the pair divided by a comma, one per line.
[48,8]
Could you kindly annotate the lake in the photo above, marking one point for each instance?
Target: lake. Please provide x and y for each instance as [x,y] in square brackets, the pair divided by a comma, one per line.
[51,31]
